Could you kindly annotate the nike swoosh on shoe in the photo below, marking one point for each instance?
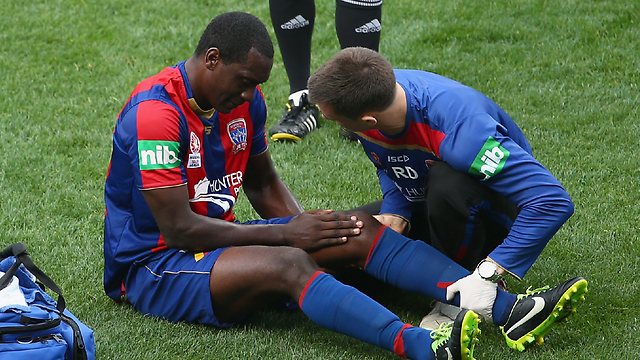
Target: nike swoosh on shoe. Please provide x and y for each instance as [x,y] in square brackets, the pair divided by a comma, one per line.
[537,308]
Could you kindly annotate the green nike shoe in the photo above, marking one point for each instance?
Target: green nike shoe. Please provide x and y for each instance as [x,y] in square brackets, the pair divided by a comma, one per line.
[535,312]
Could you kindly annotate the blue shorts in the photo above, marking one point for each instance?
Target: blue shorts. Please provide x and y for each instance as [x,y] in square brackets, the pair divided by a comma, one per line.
[175,286]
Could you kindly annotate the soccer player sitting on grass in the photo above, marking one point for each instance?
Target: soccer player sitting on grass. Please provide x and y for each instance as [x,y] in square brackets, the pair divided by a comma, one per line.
[185,143]
[451,163]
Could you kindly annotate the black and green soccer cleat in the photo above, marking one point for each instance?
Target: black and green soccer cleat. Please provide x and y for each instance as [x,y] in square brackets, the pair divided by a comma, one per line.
[457,340]
[535,312]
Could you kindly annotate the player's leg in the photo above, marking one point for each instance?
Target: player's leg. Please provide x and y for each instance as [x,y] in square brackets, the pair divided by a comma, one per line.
[372,208]
[397,260]
[402,262]
[419,229]
[416,266]
[245,278]
[293,22]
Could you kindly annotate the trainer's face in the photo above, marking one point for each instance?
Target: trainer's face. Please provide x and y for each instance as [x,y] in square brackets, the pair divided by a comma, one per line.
[230,85]
[360,124]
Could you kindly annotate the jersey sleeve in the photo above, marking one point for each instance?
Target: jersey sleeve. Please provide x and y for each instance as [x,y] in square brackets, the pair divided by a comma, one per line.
[149,133]
[258,109]
[481,147]
[393,202]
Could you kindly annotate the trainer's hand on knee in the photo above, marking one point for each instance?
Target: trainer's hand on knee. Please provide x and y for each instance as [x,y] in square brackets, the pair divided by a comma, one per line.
[313,230]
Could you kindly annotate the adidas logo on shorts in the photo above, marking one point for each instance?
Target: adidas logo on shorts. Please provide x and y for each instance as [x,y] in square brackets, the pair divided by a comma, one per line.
[295,23]
[372,26]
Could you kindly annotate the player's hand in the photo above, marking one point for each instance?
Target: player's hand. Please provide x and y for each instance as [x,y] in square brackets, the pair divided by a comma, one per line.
[395,222]
[476,294]
[313,230]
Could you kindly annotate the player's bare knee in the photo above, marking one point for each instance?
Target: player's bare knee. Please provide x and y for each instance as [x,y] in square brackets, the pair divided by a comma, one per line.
[370,227]
[293,267]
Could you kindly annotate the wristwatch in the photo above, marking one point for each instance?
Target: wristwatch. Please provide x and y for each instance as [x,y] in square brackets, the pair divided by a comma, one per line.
[488,270]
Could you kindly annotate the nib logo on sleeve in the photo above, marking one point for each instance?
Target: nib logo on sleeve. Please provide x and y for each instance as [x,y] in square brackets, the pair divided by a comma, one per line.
[157,154]
[490,160]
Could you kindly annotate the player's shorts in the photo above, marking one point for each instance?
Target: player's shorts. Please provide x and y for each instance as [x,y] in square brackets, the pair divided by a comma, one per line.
[175,284]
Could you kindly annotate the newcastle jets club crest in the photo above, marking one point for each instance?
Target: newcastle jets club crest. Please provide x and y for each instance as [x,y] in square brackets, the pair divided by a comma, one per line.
[237,130]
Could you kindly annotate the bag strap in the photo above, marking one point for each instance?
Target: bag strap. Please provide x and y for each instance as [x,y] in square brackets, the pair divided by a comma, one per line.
[19,250]
[11,250]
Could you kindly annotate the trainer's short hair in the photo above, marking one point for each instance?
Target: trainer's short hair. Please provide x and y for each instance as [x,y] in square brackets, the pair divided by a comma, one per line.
[234,34]
[353,82]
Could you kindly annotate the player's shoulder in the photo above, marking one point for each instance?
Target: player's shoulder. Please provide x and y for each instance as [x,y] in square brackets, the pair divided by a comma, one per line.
[258,97]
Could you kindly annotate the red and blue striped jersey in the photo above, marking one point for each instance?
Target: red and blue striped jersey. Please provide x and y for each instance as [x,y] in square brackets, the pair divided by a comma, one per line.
[163,139]
[448,121]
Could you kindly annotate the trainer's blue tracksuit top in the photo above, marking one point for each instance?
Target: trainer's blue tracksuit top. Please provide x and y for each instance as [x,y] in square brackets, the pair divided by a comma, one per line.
[448,121]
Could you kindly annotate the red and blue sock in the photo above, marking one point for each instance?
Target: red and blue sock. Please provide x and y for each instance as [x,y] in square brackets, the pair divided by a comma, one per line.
[416,266]
[344,309]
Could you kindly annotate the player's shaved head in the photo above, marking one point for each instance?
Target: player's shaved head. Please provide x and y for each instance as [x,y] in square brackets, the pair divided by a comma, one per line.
[234,34]
[354,81]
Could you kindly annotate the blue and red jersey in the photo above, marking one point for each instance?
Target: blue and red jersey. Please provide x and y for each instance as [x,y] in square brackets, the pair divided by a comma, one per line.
[163,139]
[448,121]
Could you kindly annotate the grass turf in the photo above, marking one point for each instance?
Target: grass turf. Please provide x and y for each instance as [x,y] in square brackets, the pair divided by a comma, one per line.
[567,72]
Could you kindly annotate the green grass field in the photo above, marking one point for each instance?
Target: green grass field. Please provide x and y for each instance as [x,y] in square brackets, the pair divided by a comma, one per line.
[568,72]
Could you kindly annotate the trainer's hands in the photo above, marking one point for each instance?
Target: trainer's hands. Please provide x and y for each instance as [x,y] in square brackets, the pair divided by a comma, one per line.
[395,222]
[313,230]
[476,294]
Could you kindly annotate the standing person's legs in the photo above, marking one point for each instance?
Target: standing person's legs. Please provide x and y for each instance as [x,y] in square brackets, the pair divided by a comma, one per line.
[293,22]
[293,25]
[359,23]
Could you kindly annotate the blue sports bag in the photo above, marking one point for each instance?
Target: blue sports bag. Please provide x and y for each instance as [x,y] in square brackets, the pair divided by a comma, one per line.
[36,326]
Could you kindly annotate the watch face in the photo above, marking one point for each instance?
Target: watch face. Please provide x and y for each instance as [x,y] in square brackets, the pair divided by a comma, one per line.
[487,269]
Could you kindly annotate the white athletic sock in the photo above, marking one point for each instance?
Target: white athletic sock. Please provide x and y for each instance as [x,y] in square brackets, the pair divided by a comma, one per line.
[296,96]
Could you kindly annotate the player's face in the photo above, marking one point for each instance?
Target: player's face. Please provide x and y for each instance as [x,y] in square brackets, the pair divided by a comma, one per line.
[350,124]
[230,85]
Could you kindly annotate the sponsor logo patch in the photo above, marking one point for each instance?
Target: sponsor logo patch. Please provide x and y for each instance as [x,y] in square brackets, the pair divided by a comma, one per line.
[490,160]
[209,190]
[158,154]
